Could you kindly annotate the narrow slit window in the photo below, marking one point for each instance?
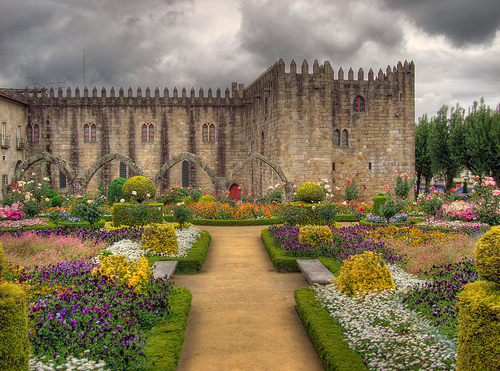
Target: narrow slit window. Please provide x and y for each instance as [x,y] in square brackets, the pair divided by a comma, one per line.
[86,133]
[144,133]
[336,138]
[345,138]
[29,133]
[205,133]
[36,133]
[151,133]
[93,133]
[212,133]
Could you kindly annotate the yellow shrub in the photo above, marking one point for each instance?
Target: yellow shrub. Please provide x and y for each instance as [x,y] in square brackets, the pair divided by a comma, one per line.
[487,254]
[314,234]
[479,326]
[361,274]
[134,274]
[159,239]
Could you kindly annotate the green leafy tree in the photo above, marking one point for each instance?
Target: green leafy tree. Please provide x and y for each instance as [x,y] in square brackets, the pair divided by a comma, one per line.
[443,159]
[423,158]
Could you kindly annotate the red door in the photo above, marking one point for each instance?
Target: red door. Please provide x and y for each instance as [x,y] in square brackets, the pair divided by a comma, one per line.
[234,192]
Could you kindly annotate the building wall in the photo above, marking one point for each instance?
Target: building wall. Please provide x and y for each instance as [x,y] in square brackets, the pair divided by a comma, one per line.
[13,120]
[287,115]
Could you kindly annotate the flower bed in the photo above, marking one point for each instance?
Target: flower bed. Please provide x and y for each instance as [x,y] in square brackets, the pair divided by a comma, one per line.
[81,319]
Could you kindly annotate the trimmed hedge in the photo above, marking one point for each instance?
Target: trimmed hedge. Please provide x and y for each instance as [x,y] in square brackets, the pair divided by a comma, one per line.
[326,336]
[366,222]
[345,218]
[163,347]
[195,258]
[284,263]
[235,223]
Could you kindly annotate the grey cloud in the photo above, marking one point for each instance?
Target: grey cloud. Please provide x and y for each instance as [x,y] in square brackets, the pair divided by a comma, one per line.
[463,22]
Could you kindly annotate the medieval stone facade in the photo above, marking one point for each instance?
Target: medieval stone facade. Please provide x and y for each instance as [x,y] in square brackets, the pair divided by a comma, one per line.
[295,126]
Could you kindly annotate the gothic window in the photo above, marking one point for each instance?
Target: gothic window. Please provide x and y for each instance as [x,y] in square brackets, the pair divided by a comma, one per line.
[205,133]
[36,133]
[345,138]
[151,133]
[359,104]
[185,174]
[29,133]
[86,133]
[93,133]
[123,170]
[336,138]
[212,133]
[62,180]
[144,133]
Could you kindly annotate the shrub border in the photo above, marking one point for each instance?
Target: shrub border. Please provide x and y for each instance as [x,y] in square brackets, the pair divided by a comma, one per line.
[366,222]
[234,222]
[327,337]
[163,347]
[195,258]
[284,263]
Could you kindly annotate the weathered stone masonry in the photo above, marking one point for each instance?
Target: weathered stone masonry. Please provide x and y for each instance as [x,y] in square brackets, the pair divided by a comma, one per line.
[290,118]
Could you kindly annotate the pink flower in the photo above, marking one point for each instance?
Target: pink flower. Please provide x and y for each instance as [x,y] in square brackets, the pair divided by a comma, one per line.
[496,192]
[348,182]
[386,186]
[436,191]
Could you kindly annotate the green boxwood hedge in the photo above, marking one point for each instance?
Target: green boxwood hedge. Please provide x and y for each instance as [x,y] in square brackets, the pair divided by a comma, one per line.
[325,334]
[284,263]
[195,258]
[164,345]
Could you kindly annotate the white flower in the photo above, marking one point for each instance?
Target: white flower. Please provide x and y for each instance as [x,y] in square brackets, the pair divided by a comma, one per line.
[122,200]
[47,199]
[33,174]
[148,195]
[134,193]
[45,179]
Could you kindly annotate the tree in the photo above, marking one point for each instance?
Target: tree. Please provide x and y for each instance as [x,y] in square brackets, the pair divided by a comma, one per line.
[483,141]
[443,159]
[423,159]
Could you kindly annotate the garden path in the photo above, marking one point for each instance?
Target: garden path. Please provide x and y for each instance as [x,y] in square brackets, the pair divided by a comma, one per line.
[243,315]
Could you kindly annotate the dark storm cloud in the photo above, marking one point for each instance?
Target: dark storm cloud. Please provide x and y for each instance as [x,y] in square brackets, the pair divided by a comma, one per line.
[463,22]
[45,39]
[324,29]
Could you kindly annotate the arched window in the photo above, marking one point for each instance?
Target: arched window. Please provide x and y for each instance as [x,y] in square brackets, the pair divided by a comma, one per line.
[29,133]
[204,133]
[151,133]
[36,133]
[212,133]
[86,133]
[144,133]
[336,138]
[185,174]
[345,138]
[359,104]
[93,133]
[123,170]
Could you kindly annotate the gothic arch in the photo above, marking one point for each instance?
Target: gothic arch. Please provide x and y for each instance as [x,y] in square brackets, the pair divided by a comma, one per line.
[190,157]
[23,166]
[274,166]
[84,180]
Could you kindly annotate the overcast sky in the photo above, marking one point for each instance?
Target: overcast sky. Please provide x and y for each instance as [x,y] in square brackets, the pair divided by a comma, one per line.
[455,44]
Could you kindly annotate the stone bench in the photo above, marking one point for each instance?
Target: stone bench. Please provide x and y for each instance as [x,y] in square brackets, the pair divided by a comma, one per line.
[315,271]
[164,267]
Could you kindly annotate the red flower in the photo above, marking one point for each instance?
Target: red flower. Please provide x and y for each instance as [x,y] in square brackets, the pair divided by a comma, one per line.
[12,184]
[302,204]
[357,174]
[348,182]
[361,209]
[364,187]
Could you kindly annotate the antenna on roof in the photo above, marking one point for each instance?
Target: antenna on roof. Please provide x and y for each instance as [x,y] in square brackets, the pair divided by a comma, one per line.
[58,83]
[34,82]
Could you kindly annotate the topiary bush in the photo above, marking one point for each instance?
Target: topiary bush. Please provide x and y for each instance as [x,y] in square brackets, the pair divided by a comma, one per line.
[51,193]
[115,190]
[139,187]
[207,198]
[310,192]
[378,201]
[362,274]
[315,234]
[487,255]
[56,201]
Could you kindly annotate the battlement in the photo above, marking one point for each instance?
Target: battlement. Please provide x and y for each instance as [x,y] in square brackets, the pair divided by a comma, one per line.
[235,95]
[324,73]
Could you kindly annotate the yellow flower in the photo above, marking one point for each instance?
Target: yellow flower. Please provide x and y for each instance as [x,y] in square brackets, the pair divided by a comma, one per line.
[90,201]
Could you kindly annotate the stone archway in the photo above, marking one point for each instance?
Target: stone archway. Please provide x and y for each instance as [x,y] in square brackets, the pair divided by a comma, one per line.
[23,166]
[274,166]
[83,181]
[190,157]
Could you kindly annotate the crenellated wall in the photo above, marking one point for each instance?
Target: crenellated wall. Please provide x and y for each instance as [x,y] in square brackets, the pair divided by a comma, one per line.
[287,116]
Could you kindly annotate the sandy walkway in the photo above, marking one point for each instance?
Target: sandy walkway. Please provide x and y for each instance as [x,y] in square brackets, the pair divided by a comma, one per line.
[243,315]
